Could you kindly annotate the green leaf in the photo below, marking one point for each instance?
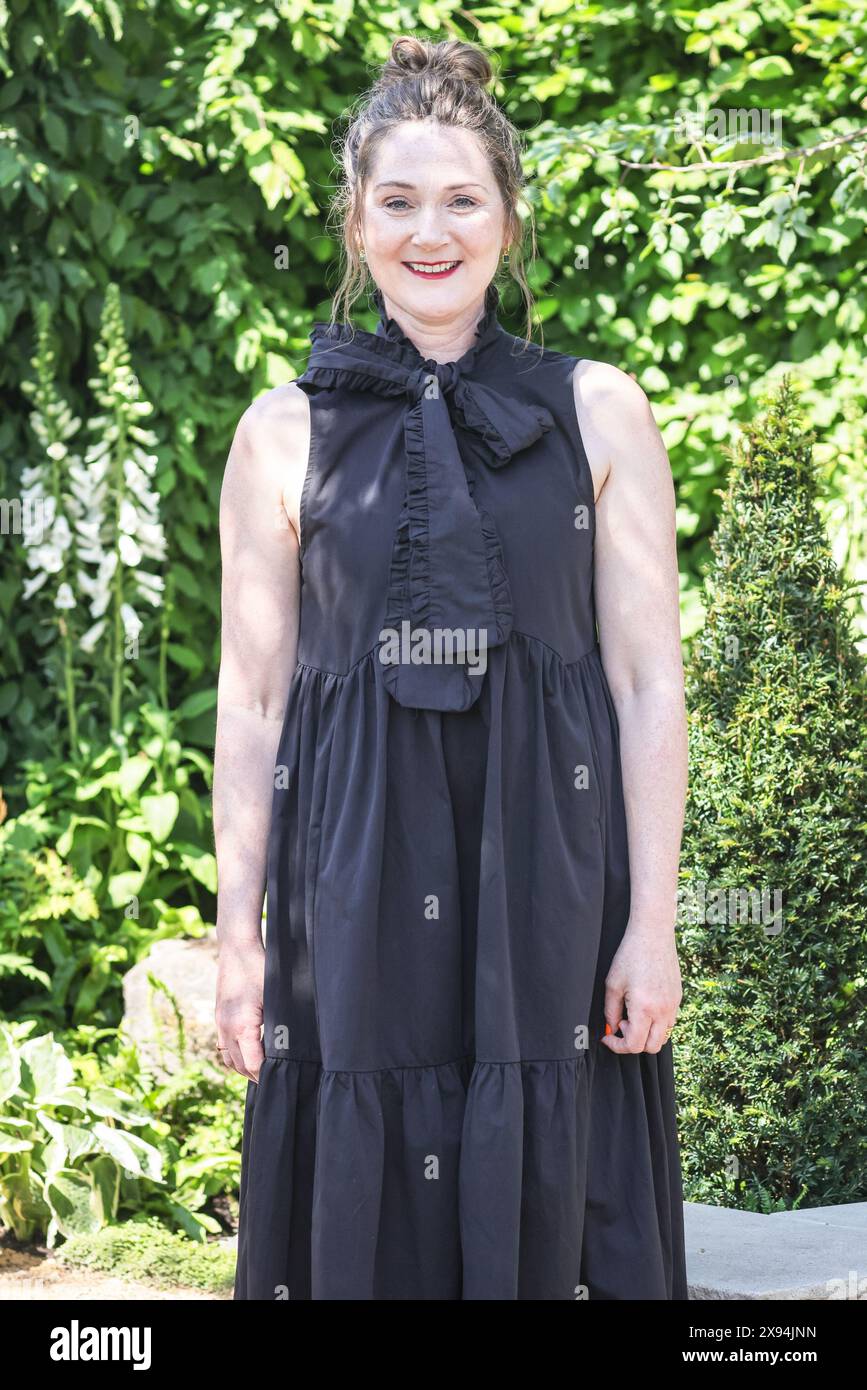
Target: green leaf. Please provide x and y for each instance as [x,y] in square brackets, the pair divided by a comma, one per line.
[766,69]
[73,1203]
[201,864]
[14,1144]
[102,217]
[160,814]
[10,1065]
[133,1154]
[197,703]
[47,1073]
[132,773]
[138,847]
[55,132]
[124,887]
[73,1140]
[185,657]
[164,206]
[106,1177]
[116,1104]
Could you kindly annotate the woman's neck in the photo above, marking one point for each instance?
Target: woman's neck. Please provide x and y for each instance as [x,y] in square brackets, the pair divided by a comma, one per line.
[444,341]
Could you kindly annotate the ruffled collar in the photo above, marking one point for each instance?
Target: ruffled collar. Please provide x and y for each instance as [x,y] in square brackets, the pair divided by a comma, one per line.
[389,343]
[487,330]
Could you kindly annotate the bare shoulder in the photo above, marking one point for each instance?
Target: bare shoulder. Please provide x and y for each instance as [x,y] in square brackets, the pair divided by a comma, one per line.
[285,405]
[272,441]
[614,416]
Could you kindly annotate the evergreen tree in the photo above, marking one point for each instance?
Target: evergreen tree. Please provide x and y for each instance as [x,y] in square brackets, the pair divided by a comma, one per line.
[772,1076]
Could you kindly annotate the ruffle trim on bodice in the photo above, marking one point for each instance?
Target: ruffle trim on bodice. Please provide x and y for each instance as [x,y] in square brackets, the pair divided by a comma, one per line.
[447,574]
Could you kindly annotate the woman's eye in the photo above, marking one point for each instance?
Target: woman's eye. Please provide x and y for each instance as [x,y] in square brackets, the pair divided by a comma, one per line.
[391,203]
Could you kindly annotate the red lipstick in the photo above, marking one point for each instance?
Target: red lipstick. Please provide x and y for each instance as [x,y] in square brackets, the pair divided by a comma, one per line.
[431,274]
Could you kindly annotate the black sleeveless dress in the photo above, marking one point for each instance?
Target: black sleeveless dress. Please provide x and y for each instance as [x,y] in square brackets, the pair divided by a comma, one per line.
[448,874]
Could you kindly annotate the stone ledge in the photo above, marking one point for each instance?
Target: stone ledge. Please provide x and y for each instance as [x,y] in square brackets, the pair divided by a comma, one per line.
[819,1253]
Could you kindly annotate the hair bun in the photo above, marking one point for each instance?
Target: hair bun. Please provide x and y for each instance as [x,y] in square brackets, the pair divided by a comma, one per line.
[452,58]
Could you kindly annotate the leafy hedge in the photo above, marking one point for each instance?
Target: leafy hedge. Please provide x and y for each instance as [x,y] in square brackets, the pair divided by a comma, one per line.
[183,152]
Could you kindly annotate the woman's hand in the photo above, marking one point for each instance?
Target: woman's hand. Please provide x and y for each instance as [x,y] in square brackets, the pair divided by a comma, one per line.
[240,983]
[644,983]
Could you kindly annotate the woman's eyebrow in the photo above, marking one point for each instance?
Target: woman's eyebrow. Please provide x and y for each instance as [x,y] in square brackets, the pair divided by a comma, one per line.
[399,183]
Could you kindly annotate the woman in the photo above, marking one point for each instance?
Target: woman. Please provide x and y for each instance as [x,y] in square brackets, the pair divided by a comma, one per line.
[464,1087]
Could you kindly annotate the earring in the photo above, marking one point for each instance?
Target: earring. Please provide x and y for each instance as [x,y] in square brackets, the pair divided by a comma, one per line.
[505,258]
[361,255]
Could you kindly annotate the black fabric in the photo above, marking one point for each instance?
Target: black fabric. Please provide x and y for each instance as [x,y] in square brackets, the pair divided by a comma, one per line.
[447,566]
[448,874]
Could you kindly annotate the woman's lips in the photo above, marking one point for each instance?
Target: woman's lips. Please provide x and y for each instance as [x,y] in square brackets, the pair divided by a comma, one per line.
[431,274]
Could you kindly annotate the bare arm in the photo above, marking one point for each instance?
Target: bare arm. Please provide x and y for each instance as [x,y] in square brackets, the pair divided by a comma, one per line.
[636,587]
[260,598]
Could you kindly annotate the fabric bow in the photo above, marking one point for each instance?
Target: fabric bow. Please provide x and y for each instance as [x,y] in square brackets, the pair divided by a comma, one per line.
[449,599]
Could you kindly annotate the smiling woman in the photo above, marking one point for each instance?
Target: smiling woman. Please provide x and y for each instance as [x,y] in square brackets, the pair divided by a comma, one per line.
[451,226]
[464,1085]
[429,110]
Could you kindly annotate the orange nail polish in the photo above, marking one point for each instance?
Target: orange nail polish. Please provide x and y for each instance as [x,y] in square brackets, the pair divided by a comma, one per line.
[607,1029]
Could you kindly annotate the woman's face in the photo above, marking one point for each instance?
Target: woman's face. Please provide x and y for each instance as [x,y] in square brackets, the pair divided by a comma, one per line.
[431,198]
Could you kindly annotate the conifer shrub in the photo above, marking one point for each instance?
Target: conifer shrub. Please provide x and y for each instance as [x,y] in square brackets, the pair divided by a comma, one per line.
[772,905]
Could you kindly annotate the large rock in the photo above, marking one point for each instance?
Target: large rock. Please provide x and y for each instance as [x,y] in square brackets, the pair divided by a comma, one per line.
[814,1254]
[172,1021]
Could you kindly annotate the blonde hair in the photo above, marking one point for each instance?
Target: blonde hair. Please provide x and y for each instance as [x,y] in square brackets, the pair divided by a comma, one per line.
[445,82]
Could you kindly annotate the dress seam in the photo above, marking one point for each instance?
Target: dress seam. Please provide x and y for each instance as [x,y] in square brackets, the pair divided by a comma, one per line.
[516,632]
[425,1066]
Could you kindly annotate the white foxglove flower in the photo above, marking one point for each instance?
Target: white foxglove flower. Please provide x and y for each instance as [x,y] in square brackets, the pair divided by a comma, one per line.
[150,586]
[32,586]
[61,533]
[128,519]
[46,557]
[132,623]
[130,552]
[92,636]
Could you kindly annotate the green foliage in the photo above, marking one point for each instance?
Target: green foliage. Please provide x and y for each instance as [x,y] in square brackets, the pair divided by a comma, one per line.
[87,1138]
[198,1121]
[63,1147]
[108,858]
[144,1250]
[165,171]
[44,898]
[771,1055]
[184,154]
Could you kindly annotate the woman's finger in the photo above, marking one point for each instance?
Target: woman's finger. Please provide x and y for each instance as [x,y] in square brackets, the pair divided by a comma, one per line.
[237,1060]
[635,1029]
[614,1006]
[658,1035]
[252,1054]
